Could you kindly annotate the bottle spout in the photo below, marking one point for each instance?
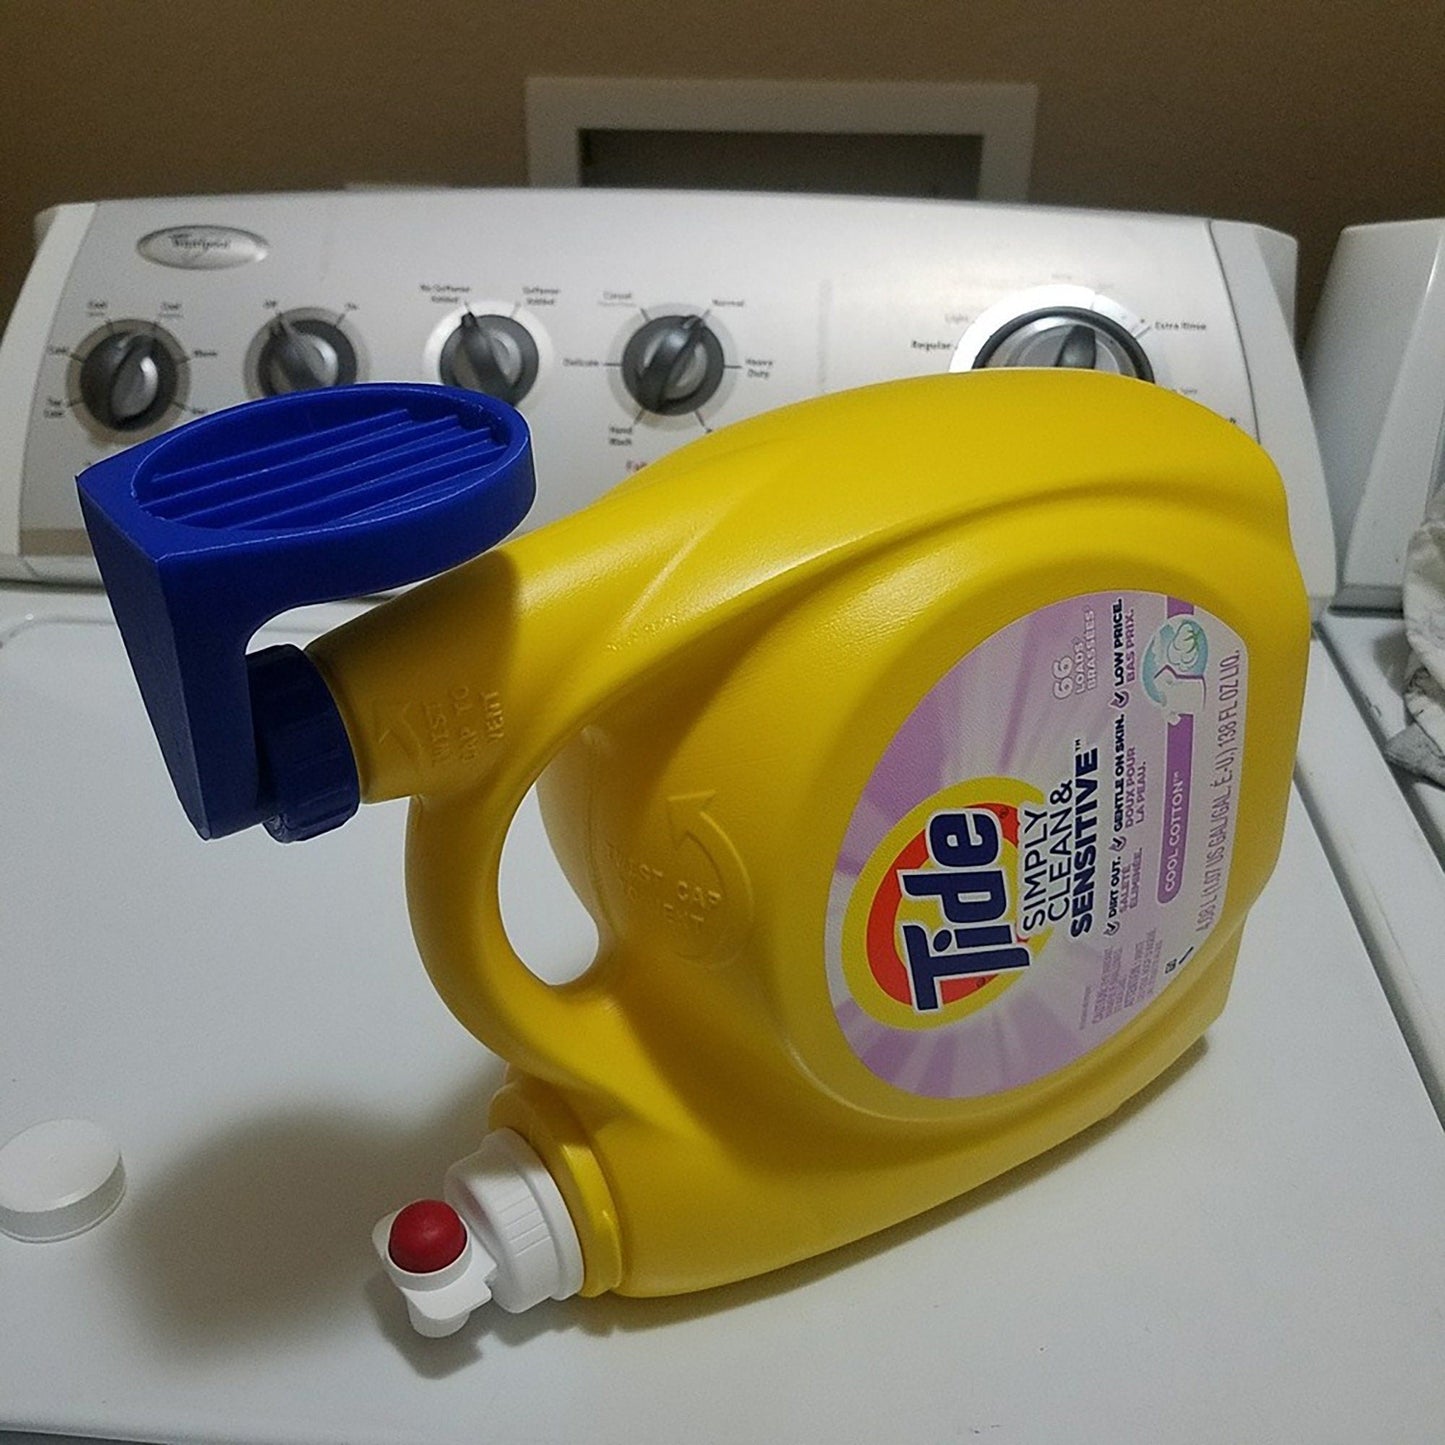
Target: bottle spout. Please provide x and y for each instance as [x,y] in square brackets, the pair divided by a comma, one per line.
[502,1232]
[206,533]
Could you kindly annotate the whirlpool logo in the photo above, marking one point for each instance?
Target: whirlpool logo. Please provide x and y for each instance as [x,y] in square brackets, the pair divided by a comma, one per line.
[202,248]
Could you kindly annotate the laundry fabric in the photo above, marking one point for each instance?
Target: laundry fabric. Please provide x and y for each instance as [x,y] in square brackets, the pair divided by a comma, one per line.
[1420,747]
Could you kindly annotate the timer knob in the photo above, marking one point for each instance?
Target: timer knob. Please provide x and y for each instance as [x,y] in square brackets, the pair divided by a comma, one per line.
[672,365]
[304,353]
[128,379]
[491,354]
[1067,336]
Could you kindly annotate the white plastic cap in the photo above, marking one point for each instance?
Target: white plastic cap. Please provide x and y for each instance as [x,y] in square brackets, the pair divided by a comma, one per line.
[520,1246]
[58,1179]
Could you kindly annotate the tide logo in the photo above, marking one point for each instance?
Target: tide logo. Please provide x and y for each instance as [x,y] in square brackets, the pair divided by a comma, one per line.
[930,933]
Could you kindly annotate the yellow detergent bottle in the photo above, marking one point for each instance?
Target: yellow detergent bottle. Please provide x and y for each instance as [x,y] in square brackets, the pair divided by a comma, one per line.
[917,750]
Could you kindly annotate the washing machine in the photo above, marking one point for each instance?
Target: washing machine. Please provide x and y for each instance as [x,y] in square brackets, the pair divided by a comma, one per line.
[1248,1250]
[1375,369]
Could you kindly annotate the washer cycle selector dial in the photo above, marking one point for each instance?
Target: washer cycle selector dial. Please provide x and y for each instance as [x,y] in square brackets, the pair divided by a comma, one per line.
[492,354]
[129,376]
[672,364]
[1068,336]
[300,351]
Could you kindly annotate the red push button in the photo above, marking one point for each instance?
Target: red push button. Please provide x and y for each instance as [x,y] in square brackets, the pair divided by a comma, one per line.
[426,1236]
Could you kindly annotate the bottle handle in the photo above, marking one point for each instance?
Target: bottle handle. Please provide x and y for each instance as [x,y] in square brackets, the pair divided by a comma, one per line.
[567,1034]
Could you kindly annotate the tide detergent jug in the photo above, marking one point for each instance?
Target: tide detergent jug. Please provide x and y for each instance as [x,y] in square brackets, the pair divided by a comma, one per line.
[917,750]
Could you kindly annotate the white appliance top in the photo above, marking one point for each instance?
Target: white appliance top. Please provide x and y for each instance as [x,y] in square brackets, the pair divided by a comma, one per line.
[621,323]
[1251,1250]
[1385,830]
[1373,653]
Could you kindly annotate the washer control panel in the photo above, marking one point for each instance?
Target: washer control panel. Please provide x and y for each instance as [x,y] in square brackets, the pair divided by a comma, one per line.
[622,324]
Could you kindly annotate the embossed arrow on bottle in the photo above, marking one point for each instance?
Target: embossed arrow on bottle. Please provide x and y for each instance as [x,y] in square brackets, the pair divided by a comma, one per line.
[730,919]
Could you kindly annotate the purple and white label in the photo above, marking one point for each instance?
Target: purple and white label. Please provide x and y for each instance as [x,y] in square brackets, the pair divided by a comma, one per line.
[1042,848]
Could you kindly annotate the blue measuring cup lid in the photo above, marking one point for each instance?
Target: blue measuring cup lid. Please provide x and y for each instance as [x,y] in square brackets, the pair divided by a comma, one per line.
[207,532]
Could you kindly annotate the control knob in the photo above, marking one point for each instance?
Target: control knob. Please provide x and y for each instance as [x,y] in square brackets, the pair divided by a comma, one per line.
[491,354]
[128,379]
[304,353]
[1070,336]
[673,364]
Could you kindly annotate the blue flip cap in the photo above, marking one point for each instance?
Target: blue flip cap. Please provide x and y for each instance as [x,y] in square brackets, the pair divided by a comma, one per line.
[207,532]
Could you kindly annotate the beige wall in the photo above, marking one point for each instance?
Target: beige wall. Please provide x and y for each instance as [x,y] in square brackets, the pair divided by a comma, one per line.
[1305,116]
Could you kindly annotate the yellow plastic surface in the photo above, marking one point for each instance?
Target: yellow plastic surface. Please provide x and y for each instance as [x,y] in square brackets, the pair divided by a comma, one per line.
[703,669]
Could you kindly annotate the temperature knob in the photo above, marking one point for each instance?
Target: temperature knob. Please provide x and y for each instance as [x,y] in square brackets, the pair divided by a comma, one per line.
[129,376]
[301,352]
[1066,336]
[672,365]
[491,354]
